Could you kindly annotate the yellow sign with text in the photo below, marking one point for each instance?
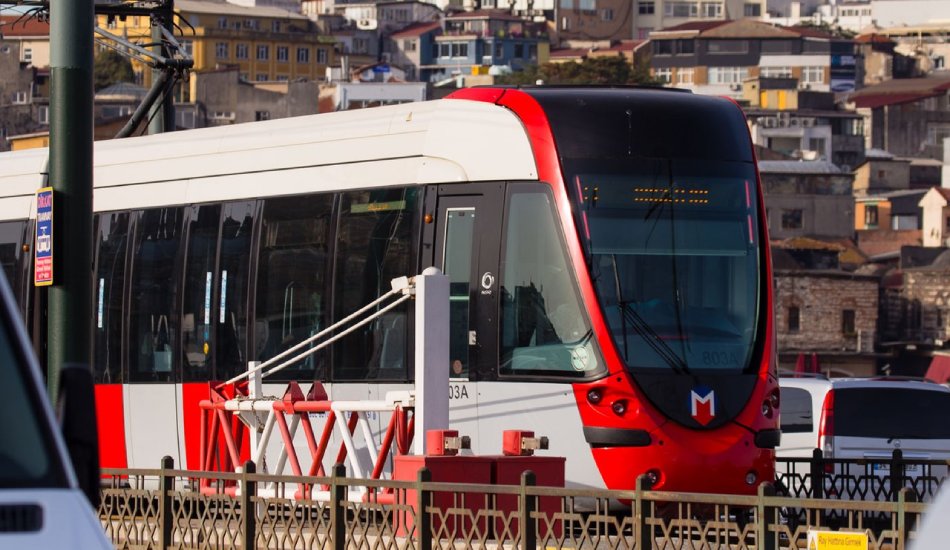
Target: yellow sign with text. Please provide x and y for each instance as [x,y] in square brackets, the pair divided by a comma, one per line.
[837,540]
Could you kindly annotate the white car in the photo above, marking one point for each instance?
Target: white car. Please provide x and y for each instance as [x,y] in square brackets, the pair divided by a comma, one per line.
[41,503]
[867,419]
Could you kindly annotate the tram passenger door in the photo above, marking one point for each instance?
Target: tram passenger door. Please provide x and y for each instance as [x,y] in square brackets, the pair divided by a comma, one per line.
[214,308]
[466,249]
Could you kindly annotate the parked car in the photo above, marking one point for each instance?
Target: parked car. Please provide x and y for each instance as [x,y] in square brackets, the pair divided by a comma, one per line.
[865,420]
[42,499]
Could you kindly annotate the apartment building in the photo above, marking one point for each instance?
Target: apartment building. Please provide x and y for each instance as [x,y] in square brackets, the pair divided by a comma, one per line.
[264,43]
[716,57]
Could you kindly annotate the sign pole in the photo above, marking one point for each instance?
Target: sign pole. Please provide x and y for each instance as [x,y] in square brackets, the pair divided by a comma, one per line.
[72,26]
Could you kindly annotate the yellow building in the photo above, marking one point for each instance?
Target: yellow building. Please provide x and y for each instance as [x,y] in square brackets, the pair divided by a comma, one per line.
[264,43]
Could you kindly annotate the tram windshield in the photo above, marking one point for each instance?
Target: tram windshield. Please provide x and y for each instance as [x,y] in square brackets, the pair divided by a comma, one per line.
[673,252]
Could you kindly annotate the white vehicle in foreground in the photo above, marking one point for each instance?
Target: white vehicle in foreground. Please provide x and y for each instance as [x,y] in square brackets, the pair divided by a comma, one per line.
[41,503]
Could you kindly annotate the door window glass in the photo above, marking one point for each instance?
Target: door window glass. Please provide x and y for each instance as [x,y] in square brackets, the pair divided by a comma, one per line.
[796,411]
[291,280]
[198,292]
[112,235]
[152,314]
[457,265]
[11,234]
[543,328]
[375,245]
[237,226]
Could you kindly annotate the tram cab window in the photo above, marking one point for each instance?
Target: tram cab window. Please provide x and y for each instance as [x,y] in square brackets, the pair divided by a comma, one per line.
[112,233]
[152,312]
[544,330]
[374,246]
[292,280]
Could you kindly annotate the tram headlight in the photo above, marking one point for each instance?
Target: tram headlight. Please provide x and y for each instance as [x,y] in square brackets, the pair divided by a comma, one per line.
[751,477]
[619,407]
[595,396]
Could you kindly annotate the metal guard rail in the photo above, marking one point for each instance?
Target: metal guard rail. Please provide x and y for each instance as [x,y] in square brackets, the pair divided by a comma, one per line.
[424,515]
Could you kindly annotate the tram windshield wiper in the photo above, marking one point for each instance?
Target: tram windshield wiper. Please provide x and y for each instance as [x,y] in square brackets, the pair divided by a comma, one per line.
[654,340]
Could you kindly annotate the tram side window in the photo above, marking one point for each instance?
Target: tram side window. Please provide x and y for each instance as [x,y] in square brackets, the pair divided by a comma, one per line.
[543,329]
[375,245]
[292,271]
[12,254]
[112,233]
[152,319]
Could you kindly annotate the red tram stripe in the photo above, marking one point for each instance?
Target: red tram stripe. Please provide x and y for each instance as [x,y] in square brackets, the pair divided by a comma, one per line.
[110,421]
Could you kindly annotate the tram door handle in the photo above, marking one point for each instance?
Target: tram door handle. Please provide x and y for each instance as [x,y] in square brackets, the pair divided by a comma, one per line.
[472,338]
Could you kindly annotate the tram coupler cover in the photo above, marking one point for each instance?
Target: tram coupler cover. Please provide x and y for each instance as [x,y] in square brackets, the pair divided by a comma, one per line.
[521,443]
[445,442]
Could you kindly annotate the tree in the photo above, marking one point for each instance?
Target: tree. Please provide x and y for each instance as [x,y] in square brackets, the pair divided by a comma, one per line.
[111,67]
[593,70]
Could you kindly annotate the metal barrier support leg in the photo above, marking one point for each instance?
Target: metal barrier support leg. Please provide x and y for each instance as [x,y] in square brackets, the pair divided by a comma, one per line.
[527,506]
[423,521]
[337,510]
[642,506]
[248,512]
[767,516]
[165,485]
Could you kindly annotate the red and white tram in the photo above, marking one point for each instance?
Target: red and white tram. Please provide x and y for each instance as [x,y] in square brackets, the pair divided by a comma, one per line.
[606,249]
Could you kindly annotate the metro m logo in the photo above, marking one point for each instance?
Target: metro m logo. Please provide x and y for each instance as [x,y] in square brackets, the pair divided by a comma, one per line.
[702,402]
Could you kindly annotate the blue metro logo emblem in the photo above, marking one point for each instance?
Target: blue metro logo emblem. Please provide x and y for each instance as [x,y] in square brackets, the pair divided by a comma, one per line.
[702,401]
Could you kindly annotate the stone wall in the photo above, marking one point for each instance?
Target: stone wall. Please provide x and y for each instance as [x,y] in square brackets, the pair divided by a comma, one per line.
[821,298]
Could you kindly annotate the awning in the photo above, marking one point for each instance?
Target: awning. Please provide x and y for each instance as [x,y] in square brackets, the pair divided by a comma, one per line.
[939,370]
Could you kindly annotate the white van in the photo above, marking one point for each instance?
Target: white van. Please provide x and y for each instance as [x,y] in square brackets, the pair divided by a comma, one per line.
[866,418]
[41,503]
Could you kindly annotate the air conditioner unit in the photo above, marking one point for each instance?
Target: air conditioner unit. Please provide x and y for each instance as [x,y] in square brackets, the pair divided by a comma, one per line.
[807,122]
[804,86]
[735,87]
[768,122]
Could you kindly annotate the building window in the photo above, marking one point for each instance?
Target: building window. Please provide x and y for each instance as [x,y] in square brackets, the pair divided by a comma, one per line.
[587,6]
[870,215]
[263,52]
[519,51]
[221,50]
[261,115]
[728,75]
[262,77]
[27,55]
[712,9]
[42,114]
[409,45]
[817,144]
[283,54]
[684,76]
[681,9]
[664,75]
[275,26]
[792,218]
[646,8]
[728,46]
[303,55]
[533,52]
[187,47]
[222,115]
[21,98]
[752,10]
[222,22]
[847,322]
[322,56]
[607,14]
[240,50]
[663,47]
[499,50]
[776,72]
[813,75]
[794,319]
[936,133]
[566,4]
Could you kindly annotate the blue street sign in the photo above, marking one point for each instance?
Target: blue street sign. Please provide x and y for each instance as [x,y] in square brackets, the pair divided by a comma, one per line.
[43,259]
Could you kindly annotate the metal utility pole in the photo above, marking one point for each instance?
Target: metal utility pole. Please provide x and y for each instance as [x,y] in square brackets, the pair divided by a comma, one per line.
[162,113]
[72,23]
